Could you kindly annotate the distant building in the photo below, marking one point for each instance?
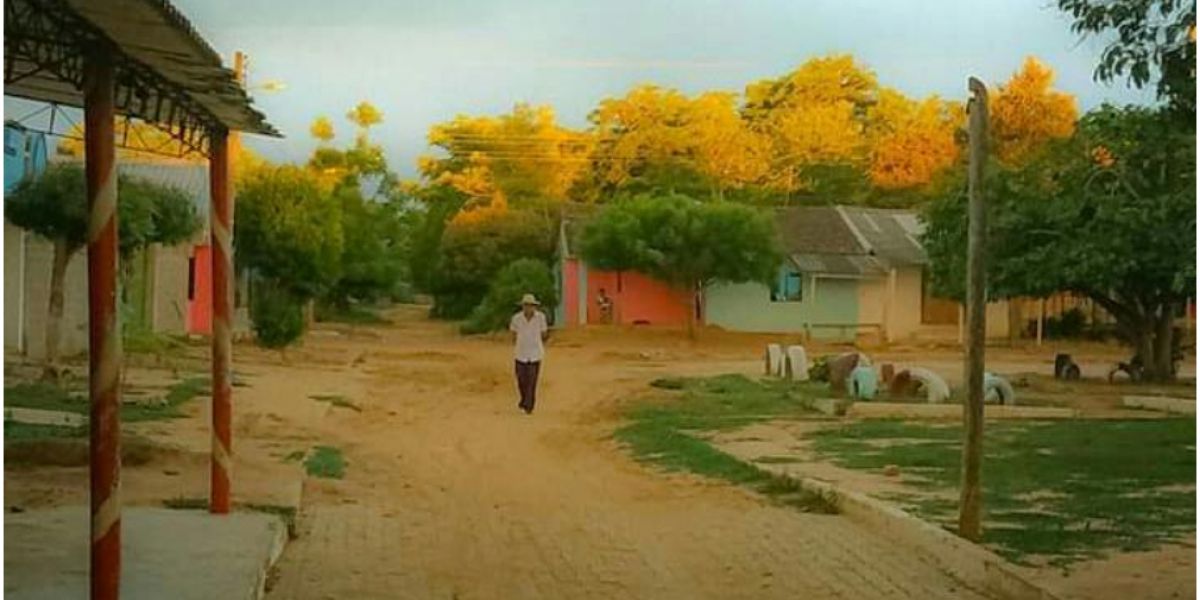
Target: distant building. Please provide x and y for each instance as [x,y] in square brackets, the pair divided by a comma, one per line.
[169,289]
[24,156]
[848,271]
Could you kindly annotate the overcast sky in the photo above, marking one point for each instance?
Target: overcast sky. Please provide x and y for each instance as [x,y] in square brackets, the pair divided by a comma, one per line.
[422,62]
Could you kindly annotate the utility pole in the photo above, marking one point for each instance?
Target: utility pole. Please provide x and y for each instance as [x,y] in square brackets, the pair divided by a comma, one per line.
[970,516]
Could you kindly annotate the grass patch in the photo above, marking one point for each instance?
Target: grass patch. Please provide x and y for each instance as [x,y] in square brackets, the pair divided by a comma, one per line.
[286,513]
[47,396]
[661,433]
[336,400]
[21,432]
[326,462]
[1066,490]
[142,341]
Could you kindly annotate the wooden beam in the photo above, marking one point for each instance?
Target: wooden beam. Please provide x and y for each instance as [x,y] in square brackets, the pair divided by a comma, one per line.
[970,516]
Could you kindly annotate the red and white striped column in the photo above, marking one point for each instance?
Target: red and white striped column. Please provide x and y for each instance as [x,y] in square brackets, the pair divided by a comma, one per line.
[222,325]
[104,333]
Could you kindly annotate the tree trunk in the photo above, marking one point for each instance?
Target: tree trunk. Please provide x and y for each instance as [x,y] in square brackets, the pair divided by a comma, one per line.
[1162,368]
[58,273]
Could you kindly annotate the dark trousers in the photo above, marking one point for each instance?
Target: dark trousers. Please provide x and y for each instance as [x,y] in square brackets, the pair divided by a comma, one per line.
[527,374]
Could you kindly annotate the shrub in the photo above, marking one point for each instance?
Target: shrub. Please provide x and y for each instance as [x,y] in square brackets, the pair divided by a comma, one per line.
[277,315]
[520,277]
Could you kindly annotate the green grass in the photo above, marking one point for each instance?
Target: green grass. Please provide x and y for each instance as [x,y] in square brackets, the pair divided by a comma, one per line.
[47,396]
[141,341]
[663,433]
[326,462]
[20,432]
[1065,490]
[336,400]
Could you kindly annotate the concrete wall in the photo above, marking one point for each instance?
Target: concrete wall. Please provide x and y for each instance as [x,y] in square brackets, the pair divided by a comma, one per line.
[14,285]
[748,307]
[906,318]
[169,303]
[168,291]
[636,298]
[39,261]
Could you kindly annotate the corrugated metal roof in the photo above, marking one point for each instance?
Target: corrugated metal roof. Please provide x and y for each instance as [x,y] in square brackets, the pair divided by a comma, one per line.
[815,230]
[149,35]
[838,264]
[890,235]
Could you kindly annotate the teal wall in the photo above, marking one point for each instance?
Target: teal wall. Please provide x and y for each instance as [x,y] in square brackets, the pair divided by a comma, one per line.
[748,307]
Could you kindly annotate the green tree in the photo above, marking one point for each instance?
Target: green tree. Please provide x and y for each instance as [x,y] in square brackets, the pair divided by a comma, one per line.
[473,250]
[1148,39]
[289,230]
[684,242]
[1109,214]
[54,206]
[522,276]
[435,206]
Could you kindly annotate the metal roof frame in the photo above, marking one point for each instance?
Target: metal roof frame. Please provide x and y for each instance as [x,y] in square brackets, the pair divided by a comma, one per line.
[167,75]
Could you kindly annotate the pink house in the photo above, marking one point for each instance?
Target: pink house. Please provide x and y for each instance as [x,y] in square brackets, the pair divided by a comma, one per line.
[636,298]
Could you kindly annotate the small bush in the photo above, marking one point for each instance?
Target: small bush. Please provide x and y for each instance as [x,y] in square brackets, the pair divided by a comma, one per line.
[520,277]
[277,315]
[1069,325]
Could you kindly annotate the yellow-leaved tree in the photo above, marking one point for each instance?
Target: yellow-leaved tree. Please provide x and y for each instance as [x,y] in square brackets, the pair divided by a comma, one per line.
[1026,113]
[662,138]
[521,157]
[813,116]
[911,141]
[322,129]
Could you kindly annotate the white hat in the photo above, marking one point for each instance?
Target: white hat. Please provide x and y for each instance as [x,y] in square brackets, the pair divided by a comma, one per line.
[530,299]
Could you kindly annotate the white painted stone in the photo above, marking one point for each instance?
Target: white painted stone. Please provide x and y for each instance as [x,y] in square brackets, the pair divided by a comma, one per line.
[775,360]
[797,362]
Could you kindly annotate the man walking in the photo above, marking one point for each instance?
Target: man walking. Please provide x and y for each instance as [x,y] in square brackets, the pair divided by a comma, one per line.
[529,331]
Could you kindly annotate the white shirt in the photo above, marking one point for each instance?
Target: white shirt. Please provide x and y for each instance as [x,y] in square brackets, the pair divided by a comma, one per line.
[529,335]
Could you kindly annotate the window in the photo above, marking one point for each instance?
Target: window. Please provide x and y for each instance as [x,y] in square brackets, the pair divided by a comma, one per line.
[789,287]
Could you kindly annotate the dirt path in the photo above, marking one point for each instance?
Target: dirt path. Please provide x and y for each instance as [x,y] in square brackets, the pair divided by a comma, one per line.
[452,493]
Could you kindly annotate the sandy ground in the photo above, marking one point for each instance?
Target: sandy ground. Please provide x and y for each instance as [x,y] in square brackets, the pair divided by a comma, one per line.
[451,492]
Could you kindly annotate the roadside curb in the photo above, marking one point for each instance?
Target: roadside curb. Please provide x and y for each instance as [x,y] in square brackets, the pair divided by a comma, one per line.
[1182,406]
[965,561]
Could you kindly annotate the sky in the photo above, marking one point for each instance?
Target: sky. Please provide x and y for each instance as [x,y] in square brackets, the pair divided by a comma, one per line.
[423,62]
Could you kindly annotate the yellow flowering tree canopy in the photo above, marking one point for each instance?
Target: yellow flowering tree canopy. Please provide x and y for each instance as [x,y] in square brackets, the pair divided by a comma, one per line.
[1026,113]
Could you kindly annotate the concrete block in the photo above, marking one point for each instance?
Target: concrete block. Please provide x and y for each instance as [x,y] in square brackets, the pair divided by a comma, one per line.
[892,410]
[797,363]
[179,554]
[35,416]
[1183,406]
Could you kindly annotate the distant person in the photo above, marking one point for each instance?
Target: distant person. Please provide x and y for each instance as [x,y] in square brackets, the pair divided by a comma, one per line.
[529,331]
[606,306]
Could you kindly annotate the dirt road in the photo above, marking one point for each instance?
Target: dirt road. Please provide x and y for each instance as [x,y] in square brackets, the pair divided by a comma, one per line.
[451,492]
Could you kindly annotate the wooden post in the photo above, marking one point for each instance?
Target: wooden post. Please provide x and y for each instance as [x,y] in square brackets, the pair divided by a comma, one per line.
[1041,322]
[221,227]
[104,328]
[970,516]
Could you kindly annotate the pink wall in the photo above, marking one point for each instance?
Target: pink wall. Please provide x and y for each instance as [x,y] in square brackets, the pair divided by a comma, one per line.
[570,291]
[200,304]
[638,298]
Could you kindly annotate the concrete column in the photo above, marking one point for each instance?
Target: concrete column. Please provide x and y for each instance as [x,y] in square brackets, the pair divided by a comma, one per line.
[221,228]
[104,328]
